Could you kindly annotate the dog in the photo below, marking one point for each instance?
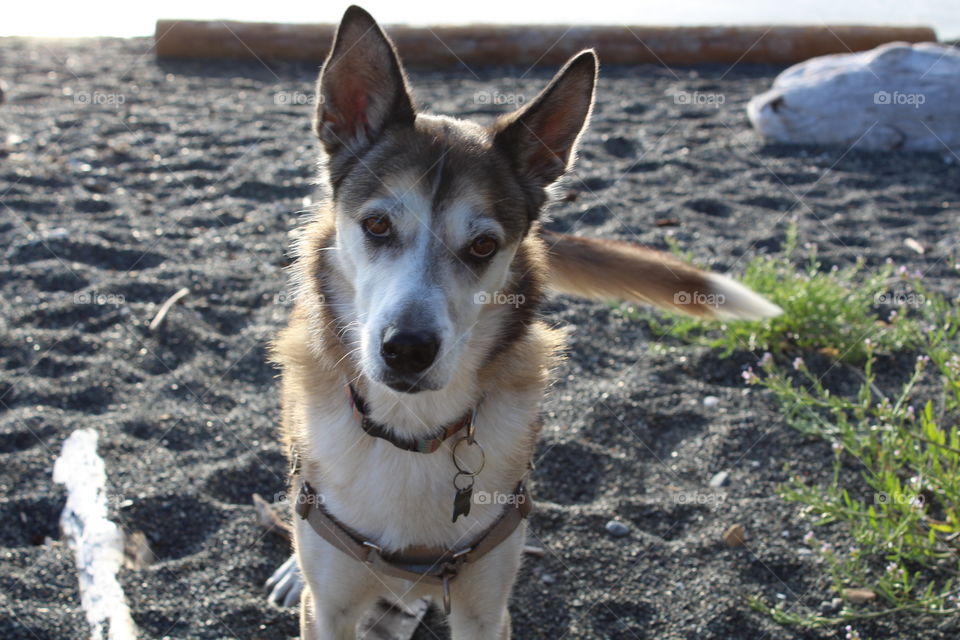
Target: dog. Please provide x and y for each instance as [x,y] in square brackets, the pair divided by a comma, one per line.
[414,361]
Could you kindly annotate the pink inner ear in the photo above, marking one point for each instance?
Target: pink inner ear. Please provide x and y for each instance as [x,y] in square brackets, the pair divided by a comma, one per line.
[552,144]
[352,110]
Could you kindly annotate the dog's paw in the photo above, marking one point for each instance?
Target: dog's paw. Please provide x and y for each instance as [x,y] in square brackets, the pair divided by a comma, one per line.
[286,584]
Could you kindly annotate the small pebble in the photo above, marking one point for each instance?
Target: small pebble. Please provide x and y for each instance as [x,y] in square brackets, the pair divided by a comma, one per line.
[547,579]
[859,596]
[827,607]
[720,479]
[617,529]
[711,401]
[735,535]
[57,234]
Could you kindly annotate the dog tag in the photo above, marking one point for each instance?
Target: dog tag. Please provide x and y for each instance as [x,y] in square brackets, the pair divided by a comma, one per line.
[461,502]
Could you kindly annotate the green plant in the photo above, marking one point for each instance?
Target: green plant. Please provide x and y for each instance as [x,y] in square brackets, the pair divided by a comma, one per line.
[832,311]
[894,495]
[901,512]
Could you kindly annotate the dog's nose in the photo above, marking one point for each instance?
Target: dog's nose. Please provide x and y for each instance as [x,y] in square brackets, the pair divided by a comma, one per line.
[409,351]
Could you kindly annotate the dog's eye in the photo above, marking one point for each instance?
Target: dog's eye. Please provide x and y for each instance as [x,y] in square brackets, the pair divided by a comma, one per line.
[377,226]
[483,247]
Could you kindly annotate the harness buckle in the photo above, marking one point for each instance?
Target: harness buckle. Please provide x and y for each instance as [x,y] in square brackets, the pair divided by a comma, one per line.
[375,547]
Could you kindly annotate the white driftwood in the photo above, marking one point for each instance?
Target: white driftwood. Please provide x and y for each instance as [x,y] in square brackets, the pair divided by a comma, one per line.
[897,96]
[97,542]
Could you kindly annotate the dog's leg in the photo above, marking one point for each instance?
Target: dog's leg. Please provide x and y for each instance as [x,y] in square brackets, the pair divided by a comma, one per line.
[480,594]
[338,590]
[332,606]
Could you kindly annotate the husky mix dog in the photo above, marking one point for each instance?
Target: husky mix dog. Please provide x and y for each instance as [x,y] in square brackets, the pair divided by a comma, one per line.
[414,361]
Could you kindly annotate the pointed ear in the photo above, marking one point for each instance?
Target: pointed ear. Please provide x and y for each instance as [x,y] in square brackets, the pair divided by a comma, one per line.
[541,138]
[362,88]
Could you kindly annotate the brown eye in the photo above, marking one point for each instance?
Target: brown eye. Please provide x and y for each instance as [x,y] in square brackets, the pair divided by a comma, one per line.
[483,247]
[377,226]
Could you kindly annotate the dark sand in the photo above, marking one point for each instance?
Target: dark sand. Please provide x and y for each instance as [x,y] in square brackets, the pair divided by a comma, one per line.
[195,181]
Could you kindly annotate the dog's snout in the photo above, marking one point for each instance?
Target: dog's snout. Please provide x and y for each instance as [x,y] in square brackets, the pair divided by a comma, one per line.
[409,351]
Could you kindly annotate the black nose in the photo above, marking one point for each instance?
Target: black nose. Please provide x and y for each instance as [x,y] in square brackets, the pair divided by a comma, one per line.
[408,351]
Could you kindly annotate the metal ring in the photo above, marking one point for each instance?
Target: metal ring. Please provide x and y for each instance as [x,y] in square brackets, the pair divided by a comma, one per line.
[446,594]
[483,457]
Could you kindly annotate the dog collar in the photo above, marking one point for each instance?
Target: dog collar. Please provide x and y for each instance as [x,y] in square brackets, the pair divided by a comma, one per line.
[419,445]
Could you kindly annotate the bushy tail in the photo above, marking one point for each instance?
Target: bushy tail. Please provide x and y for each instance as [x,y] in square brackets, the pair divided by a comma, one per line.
[612,270]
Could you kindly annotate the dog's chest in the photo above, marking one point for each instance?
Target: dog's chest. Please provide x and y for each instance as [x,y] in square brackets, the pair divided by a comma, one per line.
[400,498]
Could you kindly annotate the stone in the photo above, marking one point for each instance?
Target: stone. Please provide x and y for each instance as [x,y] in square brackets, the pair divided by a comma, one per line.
[829,607]
[720,479]
[735,535]
[617,529]
[859,596]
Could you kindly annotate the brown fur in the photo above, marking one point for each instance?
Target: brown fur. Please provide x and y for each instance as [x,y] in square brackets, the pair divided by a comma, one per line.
[604,269]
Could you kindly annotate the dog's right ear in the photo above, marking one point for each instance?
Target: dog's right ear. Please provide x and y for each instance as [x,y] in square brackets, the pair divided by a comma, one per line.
[362,88]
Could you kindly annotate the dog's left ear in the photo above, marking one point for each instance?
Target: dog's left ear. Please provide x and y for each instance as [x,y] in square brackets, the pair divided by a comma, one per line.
[541,138]
[362,88]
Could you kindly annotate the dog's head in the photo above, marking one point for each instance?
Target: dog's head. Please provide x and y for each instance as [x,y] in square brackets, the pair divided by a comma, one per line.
[430,211]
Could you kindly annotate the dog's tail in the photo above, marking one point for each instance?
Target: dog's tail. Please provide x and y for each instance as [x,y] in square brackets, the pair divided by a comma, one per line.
[611,270]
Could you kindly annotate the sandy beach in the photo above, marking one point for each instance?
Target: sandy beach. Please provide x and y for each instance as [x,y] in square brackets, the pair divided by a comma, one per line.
[124,179]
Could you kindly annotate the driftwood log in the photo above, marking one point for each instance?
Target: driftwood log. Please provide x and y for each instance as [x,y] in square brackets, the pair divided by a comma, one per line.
[893,97]
[513,45]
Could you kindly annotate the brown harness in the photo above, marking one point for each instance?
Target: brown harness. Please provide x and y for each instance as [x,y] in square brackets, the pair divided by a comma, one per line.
[435,565]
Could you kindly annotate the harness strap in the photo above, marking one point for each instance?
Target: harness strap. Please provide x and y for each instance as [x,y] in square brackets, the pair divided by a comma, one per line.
[436,565]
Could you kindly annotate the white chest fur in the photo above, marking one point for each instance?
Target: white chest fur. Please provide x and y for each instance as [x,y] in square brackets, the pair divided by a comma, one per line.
[399,498]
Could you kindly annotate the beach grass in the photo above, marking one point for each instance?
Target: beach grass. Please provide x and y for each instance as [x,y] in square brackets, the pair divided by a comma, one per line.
[885,528]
